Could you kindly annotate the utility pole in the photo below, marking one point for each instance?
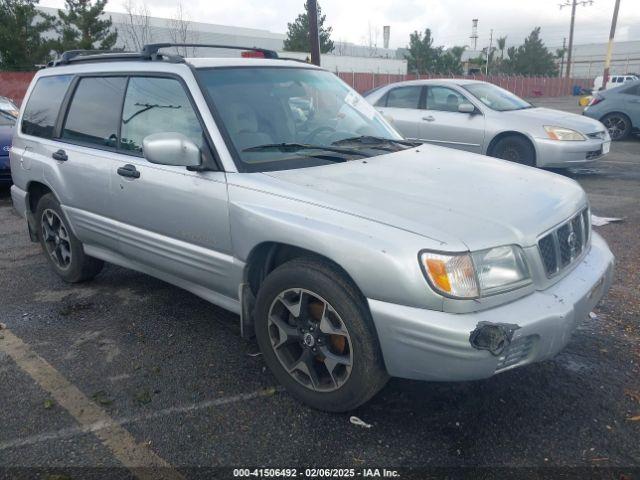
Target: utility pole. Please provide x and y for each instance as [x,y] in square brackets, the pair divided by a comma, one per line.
[314,39]
[486,69]
[564,50]
[612,33]
[572,4]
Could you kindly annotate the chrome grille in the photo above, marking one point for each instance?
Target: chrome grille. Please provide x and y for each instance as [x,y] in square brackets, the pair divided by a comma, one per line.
[563,245]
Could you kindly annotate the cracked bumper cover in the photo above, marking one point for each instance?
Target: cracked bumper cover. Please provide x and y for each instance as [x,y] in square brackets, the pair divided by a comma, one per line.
[429,345]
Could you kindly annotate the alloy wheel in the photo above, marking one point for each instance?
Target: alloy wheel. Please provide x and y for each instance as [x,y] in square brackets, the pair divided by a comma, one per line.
[310,340]
[616,125]
[56,238]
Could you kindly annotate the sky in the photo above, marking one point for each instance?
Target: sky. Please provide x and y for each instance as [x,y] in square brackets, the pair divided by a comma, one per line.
[450,20]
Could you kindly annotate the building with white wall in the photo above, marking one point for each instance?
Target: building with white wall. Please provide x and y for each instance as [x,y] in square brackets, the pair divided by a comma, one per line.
[346,57]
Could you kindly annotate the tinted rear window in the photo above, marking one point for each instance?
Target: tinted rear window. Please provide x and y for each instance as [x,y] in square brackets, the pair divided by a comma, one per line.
[94,114]
[42,108]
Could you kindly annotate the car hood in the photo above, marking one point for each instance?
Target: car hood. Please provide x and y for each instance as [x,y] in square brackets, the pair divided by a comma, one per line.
[556,118]
[443,194]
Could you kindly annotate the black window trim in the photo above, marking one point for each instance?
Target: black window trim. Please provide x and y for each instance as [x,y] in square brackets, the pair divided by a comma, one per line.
[53,137]
[212,158]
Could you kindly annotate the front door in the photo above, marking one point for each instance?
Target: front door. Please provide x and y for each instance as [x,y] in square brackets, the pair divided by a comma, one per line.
[173,220]
[444,125]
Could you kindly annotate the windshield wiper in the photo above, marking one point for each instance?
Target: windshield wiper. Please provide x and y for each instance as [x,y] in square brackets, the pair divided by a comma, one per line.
[376,142]
[296,147]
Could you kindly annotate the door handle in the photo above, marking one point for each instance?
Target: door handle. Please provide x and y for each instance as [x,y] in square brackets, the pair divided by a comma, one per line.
[428,118]
[60,155]
[129,171]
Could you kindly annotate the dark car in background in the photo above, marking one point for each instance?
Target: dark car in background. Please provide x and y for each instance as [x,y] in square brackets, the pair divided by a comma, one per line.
[618,109]
[7,122]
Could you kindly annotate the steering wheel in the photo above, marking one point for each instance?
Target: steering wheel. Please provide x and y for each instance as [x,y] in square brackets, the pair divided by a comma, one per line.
[315,132]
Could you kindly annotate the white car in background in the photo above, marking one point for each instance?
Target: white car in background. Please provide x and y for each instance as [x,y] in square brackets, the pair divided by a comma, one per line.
[613,82]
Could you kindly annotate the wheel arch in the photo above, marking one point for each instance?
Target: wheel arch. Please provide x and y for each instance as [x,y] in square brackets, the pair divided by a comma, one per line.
[266,257]
[512,133]
[35,191]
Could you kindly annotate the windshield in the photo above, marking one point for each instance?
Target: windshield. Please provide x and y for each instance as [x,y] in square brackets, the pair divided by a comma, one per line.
[496,98]
[298,107]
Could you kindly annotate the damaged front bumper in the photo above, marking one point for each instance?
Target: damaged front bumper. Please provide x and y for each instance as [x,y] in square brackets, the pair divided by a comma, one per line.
[437,346]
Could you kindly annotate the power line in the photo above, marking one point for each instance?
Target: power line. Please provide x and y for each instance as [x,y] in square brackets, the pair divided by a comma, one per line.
[573,4]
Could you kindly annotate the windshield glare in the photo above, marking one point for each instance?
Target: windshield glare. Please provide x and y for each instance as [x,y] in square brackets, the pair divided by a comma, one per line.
[496,98]
[274,105]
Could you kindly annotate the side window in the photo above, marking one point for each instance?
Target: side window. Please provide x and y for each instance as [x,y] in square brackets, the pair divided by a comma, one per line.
[42,108]
[156,105]
[94,113]
[444,99]
[404,97]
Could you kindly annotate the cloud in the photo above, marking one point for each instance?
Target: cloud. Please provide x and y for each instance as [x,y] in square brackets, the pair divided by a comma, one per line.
[449,20]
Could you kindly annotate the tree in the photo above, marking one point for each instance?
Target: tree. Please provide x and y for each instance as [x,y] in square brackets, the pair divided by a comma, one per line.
[22,46]
[82,27]
[450,61]
[298,33]
[181,31]
[502,43]
[137,26]
[423,56]
[530,58]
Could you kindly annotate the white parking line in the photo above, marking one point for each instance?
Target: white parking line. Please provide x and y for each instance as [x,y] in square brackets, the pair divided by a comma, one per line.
[94,427]
[137,457]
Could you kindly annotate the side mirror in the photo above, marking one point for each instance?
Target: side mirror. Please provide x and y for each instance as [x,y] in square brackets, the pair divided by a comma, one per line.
[466,108]
[171,148]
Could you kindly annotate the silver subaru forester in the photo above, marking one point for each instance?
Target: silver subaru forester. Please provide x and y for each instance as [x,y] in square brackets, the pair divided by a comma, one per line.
[272,189]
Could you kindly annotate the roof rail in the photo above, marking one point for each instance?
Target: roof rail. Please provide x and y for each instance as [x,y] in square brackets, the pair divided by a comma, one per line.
[148,52]
[151,50]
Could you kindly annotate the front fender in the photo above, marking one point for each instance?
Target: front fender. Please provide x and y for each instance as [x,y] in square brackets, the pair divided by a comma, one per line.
[382,260]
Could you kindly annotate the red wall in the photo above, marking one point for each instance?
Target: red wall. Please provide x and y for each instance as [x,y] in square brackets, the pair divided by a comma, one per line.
[521,86]
[14,85]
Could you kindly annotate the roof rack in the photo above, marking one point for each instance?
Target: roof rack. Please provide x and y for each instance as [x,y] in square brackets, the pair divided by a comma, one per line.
[148,52]
[151,49]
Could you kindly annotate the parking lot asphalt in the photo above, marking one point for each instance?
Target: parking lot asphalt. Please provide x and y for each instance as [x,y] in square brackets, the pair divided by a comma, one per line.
[173,381]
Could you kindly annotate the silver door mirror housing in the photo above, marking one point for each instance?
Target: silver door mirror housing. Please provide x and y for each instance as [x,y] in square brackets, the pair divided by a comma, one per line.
[171,148]
[466,108]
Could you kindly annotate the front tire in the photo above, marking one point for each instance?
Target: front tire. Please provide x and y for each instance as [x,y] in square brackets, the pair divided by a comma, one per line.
[61,247]
[618,125]
[317,336]
[516,149]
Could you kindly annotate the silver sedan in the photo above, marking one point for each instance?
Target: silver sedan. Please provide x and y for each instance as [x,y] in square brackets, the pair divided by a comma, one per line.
[482,118]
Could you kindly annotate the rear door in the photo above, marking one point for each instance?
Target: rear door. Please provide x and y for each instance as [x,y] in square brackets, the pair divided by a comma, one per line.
[88,141]
[442,123]
[402,106]
[173,221]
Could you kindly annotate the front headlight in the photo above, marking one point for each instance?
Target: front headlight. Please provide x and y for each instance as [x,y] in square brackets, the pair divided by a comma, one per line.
[476,274]
[565,134]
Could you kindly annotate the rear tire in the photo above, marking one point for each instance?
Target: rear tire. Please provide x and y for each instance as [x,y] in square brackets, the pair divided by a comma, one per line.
[618,125]
[516,149]
[308,298]
[62,248]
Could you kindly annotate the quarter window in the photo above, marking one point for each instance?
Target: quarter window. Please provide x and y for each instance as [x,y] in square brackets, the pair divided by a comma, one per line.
[95,111]
[156,105]
[43,106]
[444,99]
[404,97]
